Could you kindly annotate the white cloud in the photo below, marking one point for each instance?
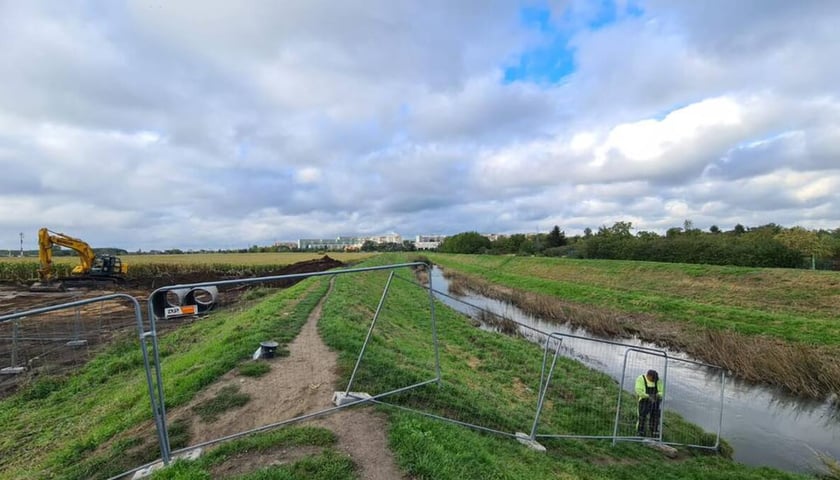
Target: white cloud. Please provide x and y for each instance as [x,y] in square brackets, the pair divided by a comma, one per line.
[308,175]
[202,124]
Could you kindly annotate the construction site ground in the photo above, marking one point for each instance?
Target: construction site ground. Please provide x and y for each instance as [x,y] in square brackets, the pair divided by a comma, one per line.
[57,342]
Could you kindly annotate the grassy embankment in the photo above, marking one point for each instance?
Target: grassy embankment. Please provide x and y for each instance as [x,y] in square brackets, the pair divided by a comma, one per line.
[769,325]
[150,266]
[97,422]
[490,380]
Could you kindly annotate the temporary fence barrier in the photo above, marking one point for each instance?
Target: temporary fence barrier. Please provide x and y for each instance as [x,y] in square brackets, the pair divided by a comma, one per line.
[56,338]
[342,399]
[696,390]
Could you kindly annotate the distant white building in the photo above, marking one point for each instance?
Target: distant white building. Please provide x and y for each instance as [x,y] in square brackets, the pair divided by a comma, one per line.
[428,242]
[346,243]
[493,236]
[387,238]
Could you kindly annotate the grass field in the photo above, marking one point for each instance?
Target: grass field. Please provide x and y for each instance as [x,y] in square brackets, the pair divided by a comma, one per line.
[774,326]
[792,305]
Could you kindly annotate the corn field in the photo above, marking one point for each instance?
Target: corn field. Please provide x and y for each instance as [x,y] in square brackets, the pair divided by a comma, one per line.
[143,267]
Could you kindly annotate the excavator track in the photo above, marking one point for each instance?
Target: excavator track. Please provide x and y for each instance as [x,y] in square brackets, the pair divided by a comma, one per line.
[65,283]
[91,282]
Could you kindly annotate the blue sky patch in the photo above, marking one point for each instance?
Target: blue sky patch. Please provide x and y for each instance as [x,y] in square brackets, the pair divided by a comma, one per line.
[548,62]
[553,59]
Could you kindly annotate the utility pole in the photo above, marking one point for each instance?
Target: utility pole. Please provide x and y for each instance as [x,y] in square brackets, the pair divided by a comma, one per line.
[21,244]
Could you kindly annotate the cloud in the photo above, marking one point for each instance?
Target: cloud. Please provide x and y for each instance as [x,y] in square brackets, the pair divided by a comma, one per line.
[211,124]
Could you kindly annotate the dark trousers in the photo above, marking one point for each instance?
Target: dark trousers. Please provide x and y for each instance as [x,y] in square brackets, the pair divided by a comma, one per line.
[648,415]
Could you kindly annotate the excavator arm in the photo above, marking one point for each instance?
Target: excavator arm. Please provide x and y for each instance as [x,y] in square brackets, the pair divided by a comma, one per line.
[47,239]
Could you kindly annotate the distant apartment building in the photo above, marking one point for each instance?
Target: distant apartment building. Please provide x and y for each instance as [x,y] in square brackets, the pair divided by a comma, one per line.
[428,242]
[388,238]
[344,243]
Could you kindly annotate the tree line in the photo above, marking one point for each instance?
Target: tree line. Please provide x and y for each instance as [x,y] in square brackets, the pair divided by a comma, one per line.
[767,245]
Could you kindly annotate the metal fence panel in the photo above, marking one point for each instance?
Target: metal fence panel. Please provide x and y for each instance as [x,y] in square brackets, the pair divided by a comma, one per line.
[383,312]
[56,339]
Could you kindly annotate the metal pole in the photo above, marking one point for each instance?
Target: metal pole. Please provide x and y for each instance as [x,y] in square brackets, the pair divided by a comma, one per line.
[161,398]
[157,412]
[15,335]
[720,420]
[662,405]
[160,426]
[620,391]
[370,331]
[544,388]
[434,324]
[77,326]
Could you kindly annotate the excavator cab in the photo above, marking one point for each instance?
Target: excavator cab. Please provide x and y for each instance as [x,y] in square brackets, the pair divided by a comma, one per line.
[106,265]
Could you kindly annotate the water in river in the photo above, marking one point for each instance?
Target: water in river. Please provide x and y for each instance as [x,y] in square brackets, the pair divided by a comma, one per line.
[764,426]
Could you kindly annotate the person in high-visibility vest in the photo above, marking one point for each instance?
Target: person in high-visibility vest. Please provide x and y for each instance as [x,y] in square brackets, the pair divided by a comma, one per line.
[650,390]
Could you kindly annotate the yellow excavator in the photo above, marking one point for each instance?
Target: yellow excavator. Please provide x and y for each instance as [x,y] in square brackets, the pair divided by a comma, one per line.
[94,270]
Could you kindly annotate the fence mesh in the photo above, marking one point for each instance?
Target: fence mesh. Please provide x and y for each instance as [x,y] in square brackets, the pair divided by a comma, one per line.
[53,344]
[584,395]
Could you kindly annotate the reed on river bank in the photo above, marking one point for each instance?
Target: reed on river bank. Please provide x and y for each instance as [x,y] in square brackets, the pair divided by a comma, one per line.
[806,370]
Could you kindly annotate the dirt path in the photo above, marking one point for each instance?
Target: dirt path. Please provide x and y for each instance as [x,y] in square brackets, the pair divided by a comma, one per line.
[302,383]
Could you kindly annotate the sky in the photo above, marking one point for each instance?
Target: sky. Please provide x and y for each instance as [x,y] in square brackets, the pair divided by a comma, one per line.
[216,124]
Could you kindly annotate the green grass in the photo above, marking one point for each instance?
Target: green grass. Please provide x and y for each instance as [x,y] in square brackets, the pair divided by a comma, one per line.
[60,424]
[791,305]
[490,380]
[96,423]
[228,397]
[254,369]
[326,465]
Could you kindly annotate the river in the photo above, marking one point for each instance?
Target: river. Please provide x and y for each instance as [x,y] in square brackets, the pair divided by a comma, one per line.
[765,427]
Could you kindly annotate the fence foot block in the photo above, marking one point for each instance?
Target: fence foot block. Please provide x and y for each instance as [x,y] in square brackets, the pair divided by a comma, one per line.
[76,343]
[525,439]
[148,471]
[668,450]
[341,398]
[12,370]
